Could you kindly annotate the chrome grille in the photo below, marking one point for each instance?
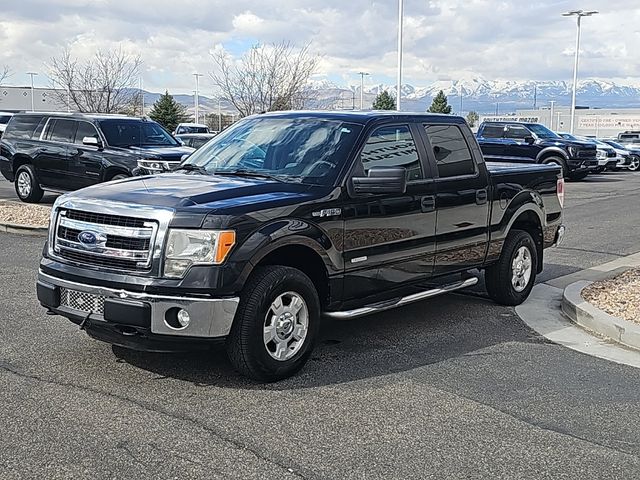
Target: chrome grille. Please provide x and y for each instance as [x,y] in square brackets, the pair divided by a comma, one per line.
[117,242]
[82,301]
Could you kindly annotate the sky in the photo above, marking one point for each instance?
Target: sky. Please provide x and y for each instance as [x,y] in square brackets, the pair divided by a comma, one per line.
[443,39]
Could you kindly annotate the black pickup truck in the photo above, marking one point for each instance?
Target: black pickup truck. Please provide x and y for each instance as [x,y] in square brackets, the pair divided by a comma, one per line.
[534,143]
[289,217]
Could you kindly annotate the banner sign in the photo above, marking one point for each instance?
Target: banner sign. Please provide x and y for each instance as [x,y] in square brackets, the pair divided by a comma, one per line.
[613,122]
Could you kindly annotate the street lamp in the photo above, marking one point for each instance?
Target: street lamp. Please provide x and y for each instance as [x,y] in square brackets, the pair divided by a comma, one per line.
[220,114]
[32,74]
[196,100]
[399,72]
[578,14]
[362,75]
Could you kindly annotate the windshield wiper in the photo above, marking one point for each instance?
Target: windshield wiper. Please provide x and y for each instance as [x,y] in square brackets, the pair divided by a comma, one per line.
[192,167]
[250,173]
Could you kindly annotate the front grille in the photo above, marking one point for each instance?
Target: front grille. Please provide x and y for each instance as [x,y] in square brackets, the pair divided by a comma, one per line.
[82,301]
[587,153]
[105,240]
[611,154]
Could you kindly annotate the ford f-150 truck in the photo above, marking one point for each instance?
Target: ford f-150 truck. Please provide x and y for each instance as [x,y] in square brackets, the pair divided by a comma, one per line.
[286,218]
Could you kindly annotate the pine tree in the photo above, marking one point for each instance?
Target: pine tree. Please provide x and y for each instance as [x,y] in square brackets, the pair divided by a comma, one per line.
[440,104]
[167,112]
[472,118]
[384,101]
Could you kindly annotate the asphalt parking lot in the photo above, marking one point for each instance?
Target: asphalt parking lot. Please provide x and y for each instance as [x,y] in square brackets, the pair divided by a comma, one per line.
[455,387]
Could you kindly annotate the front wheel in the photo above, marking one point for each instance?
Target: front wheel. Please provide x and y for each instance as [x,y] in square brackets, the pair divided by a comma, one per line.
[559,162]
[634,166]
[510,280]
[276,324]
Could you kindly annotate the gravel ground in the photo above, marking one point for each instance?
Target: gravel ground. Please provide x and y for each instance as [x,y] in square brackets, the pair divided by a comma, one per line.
[24,214]
[618,296]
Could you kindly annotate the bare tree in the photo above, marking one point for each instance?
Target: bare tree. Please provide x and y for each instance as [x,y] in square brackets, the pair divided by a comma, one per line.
[267,77]
[5,72]
[106,83]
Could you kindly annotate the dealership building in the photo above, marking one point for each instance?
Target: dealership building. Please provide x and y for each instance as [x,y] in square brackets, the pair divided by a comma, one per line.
[16,99]
[598,122]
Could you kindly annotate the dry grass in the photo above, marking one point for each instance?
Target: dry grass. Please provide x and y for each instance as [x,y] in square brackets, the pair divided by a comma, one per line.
[24,214]
[618,296]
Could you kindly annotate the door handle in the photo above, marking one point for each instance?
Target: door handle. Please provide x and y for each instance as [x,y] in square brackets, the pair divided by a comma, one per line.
[428,203]
[481,196]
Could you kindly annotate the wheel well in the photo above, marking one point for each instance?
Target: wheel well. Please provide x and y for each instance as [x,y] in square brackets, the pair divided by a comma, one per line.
[307,261]
[20,160]
[530,223]
[548,155]
[113,171]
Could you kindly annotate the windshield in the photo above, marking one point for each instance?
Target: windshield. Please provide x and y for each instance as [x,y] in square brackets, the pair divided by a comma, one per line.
[541,131]
[614,144]
[136,133]
[5,118]
[307,150]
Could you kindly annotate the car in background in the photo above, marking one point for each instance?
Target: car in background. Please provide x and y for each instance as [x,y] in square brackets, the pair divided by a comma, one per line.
[61,152]
[190,128]
[630,136]
[523,142]
[630,152]
[4,120]
[606,155]
[194,140]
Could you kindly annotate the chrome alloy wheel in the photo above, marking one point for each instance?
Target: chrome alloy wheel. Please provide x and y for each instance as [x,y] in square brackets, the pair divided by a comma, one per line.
[24,184]
[634,166]
[285,326]
[521,267]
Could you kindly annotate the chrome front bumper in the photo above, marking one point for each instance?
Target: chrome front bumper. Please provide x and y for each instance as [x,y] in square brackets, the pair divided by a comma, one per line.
[210,317]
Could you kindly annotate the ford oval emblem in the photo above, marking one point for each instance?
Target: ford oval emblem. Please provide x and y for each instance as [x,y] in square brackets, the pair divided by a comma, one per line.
[88,238]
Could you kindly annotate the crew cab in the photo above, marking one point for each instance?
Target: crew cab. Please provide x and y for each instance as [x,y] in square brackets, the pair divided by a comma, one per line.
[534,143]
[64,152]
[290,217]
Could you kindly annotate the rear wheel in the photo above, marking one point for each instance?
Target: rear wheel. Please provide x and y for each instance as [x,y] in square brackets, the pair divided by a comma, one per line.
[26,184]
[276,324]
[634,166]
[510,280]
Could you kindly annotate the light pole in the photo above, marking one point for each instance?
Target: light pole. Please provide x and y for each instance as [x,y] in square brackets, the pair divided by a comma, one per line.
[219,115]
[399,73]
[196,100]
[33,107]
[362,75]
[552,102]
[578,14]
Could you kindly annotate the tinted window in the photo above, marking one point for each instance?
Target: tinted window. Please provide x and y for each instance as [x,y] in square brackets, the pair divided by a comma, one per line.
[85,129]
[451,151]
[5,118]
[22,126]
[492,131]
[542,131]
[61,130]
[392,146]
[516,131]
[135,133]
[198,142]
[191,129]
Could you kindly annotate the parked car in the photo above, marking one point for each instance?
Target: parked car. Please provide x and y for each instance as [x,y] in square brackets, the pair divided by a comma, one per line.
[62,152]
[534,143]
[4,119]
[607,158]
[194,140]
[190,128]
[290,216]
[629,153]
[630,136]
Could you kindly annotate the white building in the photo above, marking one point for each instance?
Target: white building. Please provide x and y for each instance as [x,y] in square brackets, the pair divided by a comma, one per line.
[15,99]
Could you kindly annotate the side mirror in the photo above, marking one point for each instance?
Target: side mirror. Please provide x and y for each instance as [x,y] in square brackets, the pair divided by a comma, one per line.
[382,180]
[529,140]
[92,142]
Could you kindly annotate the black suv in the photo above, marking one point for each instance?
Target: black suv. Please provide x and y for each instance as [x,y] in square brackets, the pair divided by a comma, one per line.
[62,152]
[534,143]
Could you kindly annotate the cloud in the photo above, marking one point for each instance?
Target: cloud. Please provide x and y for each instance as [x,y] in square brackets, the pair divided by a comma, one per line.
[444,39]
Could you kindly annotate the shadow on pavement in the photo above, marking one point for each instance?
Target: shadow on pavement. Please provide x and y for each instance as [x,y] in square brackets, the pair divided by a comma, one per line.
[400,340]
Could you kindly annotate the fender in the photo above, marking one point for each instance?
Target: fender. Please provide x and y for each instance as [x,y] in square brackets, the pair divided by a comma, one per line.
[556,150]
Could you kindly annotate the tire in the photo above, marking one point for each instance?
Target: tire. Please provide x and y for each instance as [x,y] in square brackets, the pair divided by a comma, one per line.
[27,186]
[264,346]
[500,278]
[576,176]
[119,176]
[634,166]
[599,170]
[560,162]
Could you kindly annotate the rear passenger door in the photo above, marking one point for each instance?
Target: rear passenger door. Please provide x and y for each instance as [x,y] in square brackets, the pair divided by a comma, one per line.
[85,161]
[53,156]
[462,198]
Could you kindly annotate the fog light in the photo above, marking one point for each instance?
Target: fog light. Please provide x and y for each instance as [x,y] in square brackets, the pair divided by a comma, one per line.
[183,318]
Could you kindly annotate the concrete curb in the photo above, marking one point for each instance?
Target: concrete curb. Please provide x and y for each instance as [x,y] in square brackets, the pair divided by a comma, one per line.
[581,312]
[24,229]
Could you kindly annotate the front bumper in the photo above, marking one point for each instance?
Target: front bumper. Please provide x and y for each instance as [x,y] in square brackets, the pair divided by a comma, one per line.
[136,320]
[582,164]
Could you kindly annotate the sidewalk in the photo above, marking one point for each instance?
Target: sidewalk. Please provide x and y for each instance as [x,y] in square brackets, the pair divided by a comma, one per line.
[543,313]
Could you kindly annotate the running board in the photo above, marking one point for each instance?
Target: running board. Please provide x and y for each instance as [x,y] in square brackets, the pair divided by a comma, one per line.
[398,302]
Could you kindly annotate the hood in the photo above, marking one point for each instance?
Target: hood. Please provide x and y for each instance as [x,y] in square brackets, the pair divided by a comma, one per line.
[210,194]
[159,152]
[570,143]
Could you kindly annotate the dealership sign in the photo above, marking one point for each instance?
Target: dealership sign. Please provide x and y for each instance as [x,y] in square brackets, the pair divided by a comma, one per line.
[512,118]
[619,122]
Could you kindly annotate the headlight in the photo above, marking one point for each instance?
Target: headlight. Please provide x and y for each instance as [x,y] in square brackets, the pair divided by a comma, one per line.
[196,247]
[153,165]
[573,152]
[601,154]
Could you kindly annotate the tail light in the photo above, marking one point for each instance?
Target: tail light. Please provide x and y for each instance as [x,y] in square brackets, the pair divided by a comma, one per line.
[560,191]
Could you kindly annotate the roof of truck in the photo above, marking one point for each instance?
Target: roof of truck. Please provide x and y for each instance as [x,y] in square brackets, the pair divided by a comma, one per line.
[364,116]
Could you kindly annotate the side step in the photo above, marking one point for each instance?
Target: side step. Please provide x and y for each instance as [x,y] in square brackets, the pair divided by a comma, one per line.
[398,302]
